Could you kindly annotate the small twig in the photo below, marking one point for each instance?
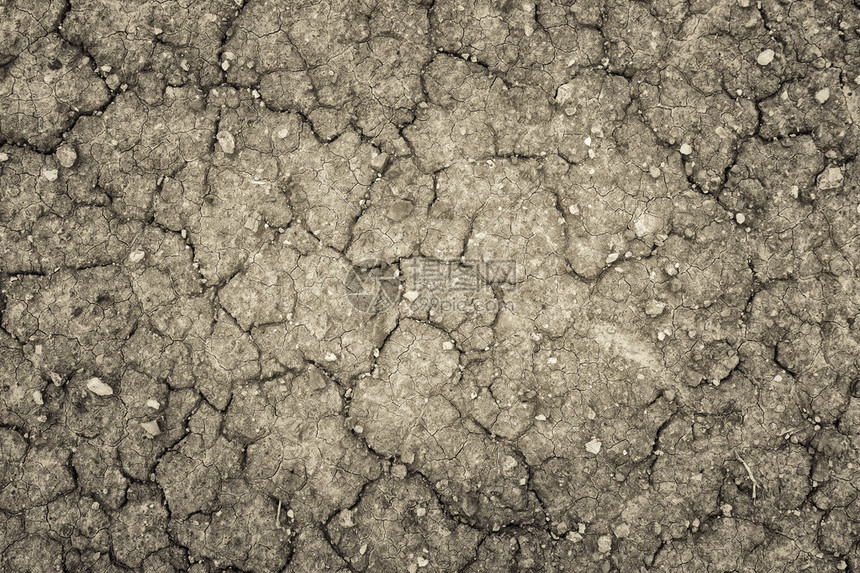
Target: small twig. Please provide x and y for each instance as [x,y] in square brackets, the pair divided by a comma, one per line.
[278,518]
[749,473]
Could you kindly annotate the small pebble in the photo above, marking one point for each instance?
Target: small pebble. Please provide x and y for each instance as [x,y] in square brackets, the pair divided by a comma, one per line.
[821,96]
[379,161]
[740,218]
[37,398]
[604,544]
[49,174]
[96,386]
[447,345]
[226,141]
[654,171]
[151,428]
[765,58]
[66,155]
[654,307]
[593,447]
[686,149]
[611,258]
[831,178]
[153,404]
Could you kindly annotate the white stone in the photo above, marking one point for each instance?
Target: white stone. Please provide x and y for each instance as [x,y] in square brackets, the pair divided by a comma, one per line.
[831,179]
[593,447]
[226,141]
[654,307]
[740,218]
[151,428]
[96,386]
[604,544]
[765,58]
[821,96]
[686,149]
[379,161]
[66,155]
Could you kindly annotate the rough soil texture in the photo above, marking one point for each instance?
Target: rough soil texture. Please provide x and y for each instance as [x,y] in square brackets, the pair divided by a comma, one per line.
[669,381]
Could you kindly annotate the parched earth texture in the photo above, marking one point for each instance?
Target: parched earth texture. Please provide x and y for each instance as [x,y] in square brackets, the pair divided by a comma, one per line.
[670,381]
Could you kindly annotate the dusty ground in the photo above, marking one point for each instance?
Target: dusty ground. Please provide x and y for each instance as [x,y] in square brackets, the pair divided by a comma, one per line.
[232,338]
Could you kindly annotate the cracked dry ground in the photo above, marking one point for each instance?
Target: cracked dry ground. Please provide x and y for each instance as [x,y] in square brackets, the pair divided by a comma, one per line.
[671,384]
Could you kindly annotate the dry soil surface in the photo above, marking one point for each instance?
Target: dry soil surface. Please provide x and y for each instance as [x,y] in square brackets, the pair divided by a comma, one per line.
[439,286]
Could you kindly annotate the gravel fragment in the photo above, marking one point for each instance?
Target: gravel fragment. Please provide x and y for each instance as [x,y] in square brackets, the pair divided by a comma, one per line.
[831,178]
[604,543]
[765,57]
[96,386]
[227,142]
[66,155]
[379,161]
[654,307]
[151,428]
